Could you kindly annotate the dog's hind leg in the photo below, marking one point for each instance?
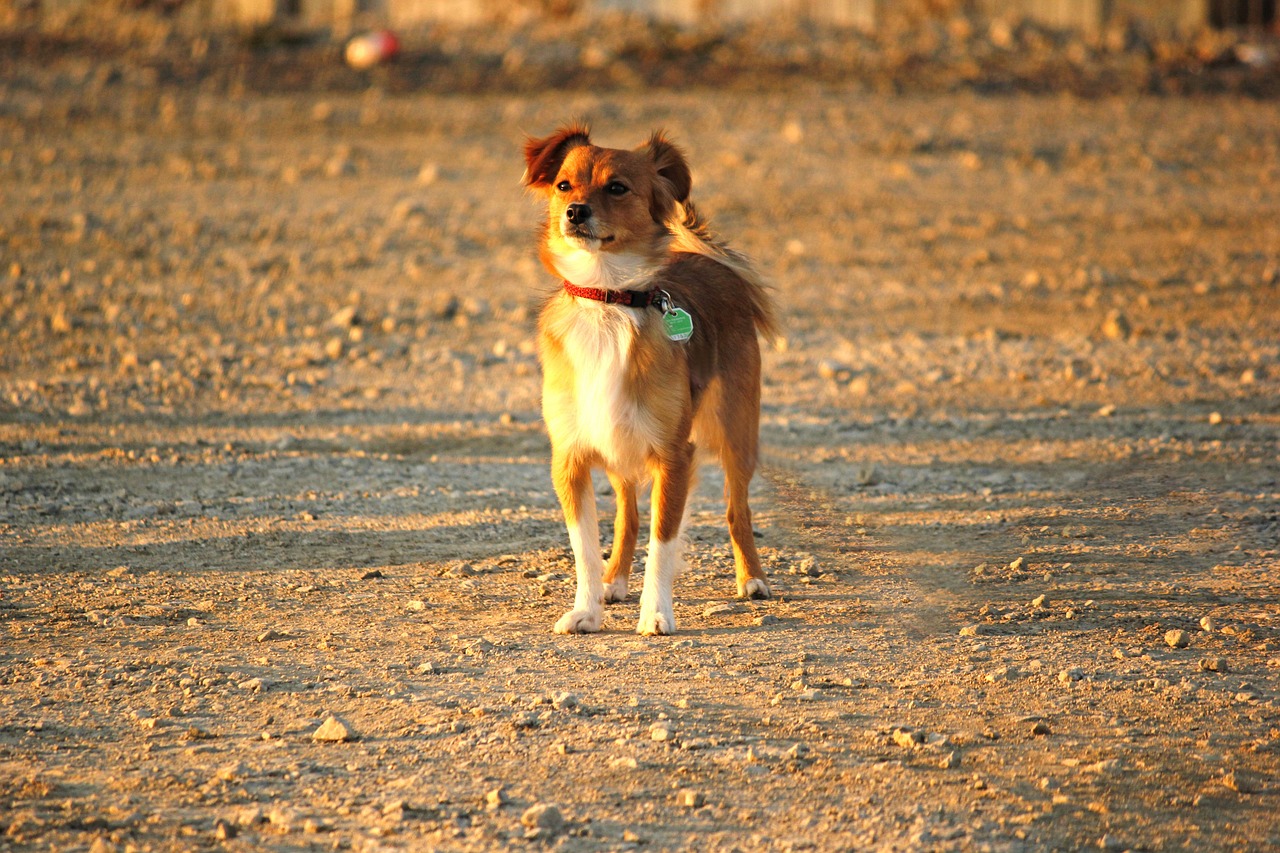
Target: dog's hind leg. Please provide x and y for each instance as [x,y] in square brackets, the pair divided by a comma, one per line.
[572,477]
[752,582]
[671,480]
[626,526]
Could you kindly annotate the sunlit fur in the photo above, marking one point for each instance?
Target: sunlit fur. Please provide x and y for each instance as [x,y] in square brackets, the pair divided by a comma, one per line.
[617,393]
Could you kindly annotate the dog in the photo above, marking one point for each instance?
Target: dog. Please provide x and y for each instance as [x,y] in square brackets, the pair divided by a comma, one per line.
[648,348]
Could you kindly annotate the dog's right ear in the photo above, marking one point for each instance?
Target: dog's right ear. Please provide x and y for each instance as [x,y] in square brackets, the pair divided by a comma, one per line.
[543,157]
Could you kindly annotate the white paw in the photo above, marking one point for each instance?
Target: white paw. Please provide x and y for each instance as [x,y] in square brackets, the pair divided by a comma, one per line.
[656,622]
[616,591]
[754,588]
[580,622]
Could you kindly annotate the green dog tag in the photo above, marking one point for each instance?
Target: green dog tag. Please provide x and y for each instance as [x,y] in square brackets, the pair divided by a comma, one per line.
[678,324]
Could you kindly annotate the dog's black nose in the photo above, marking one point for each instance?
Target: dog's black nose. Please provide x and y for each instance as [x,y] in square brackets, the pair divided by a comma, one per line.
[578,213]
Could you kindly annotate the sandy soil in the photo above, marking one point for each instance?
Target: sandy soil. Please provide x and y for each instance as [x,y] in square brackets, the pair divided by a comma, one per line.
[270,451]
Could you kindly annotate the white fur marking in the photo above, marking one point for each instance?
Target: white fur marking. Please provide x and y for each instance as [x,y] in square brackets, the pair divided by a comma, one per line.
[662,564]
[608,271]
[588,602]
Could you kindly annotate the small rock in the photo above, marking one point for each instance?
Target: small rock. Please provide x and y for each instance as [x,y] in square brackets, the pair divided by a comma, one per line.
[224,831]
[345,317]
[1207,624]
[720,610]
[765,619]
[269,635]
[1116,326]
[971,631]
[1177,639]
[1039,601]
[1040,728]
[1241,782]
[1215,664]
[371,575]
[690,799]
[542,820]
[496,798]
[950,761]
[661,732]
[1067,676]
[333,730]
[908,738]
[564,701]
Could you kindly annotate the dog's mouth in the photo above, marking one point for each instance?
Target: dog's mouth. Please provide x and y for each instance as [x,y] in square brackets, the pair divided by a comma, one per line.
[586,238]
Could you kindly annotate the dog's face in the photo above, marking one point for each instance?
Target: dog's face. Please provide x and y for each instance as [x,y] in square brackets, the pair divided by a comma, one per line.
[605,200]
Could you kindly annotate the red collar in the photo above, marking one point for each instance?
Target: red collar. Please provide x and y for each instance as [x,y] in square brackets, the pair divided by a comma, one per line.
[632,298]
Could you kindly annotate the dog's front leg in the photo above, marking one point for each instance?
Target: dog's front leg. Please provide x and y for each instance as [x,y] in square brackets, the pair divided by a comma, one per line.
[573,486]
[671,479]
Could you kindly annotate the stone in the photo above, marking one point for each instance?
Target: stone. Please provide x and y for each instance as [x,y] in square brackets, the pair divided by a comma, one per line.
[908,738]
[1040,728]
[333,730]
[224,831]
[722,609]
[1074,673]
[1207,624]
[1241,782]
[1215,664]
[564,701]
[971,631]
[1177,638]
[542,820]
[496,798]
[661,732]
[690,799]
[765,619]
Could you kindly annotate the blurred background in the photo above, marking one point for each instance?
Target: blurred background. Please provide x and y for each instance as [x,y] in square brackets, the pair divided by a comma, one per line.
[452,45]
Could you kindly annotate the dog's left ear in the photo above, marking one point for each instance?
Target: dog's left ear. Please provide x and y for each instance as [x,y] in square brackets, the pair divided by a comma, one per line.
[543,157]
[674,179]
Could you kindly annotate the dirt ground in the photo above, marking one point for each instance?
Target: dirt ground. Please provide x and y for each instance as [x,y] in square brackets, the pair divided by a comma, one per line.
[270,451]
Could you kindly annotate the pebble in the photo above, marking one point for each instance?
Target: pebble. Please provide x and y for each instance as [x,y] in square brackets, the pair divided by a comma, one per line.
[1215,664]
[1040,728]
[722,609]
[1067,676]
[766,619]
[1241,782]
[661,732]
[908,738]
[564,701]
[542,820]
[495,799]
[224,831]
[971,631]
[690,799]
[1207,624]
[333,730]
[1177,638]
[269,635]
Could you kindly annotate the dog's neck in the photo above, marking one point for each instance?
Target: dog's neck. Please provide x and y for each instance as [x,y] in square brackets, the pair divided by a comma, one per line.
[604,270]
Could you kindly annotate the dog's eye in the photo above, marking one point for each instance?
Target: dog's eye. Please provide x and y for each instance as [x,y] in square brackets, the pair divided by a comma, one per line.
[564,186]
[617,188]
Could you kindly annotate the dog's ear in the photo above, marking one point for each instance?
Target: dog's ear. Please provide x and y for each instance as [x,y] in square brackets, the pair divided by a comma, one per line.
[674,179]
[543,157]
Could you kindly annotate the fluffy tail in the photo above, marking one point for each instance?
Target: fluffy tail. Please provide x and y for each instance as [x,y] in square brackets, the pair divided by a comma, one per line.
[693,236]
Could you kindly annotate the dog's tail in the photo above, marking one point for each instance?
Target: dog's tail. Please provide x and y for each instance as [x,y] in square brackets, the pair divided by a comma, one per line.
[693,235]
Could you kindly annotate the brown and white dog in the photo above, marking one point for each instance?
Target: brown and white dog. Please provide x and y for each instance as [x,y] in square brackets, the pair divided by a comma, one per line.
[627,385]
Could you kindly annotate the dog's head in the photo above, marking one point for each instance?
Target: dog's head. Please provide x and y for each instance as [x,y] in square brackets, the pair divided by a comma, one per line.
[606,200]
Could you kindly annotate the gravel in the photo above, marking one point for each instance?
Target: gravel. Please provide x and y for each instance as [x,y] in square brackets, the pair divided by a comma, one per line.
[179,257]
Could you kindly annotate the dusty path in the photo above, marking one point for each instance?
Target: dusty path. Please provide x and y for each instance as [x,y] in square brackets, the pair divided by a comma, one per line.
[270,451]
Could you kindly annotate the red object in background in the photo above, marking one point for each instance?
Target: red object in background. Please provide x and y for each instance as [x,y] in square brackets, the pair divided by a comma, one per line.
[370,49]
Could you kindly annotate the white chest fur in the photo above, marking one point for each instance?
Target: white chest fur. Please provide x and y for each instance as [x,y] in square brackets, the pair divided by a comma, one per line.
[605,415]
